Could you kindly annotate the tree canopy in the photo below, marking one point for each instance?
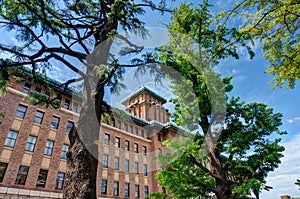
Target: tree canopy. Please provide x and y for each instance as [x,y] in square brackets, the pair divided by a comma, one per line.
[235,144]
[275,24]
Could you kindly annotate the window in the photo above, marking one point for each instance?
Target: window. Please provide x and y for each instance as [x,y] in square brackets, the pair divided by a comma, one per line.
[11,138]
[126,166]
[113,123]
[136,167]
[42,177]
[37,90]
[146,191]
[65,149]
[48,147]
[144,150]
[69,126]
[116,163]
[26,88]
[145,170]
[142,133]
[136,131]
[30,143]
[119,124]
[131,129]
[158,137]
[21,110]
[104,187]
[60,180]
[117,142]
[126,191]
[3,167]
[47,95]
[106,121]
[38,118]
[136,148]
[58,100]
[137,191]
[105,161]
[106,138]
[126,127]
[75,107]
[67,104]
[126,145]
[22,175]
[116,188]
[55,122]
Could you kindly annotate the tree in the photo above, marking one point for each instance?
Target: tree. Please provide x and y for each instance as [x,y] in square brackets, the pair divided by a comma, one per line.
[73,33]
[233,150]
[276,25]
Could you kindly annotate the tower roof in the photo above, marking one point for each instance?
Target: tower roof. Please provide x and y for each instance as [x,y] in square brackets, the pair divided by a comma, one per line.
[141,90]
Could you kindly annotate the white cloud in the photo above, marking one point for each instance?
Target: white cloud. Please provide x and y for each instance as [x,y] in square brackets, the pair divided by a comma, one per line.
[292,120]
[284,178]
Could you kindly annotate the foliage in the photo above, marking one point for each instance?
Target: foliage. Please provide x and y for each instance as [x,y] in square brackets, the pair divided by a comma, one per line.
[67,35]
[233,149]
[276,25]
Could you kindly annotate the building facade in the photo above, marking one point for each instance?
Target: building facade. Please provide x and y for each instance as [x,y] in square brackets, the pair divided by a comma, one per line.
[34,142]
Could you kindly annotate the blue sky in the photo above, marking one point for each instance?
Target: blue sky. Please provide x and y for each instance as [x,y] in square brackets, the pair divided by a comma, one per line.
[251,84]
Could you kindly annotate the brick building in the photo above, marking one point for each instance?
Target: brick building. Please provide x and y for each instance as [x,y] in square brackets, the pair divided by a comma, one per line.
[34,141]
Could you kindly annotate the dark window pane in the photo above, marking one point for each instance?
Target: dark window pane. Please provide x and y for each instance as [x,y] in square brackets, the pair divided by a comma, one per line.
[22,175]
[26,88]
[3,167]
[42,177]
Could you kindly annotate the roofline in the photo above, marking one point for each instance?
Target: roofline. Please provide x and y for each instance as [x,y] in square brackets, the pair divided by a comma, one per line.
[139,91]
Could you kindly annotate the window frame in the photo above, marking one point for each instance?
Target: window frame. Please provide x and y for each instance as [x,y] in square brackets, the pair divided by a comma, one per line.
[20,113]
[136,191]
[116,163]
[30,144]
[10,141]
[104,187]
[116,188]
[105,161]
[26,88]
[67,104]
[49,148]
[106,138]
[117,142]
[69,127]
[54,124]
[145,170]
[65,149]
[144,150]
[3,168]
[136,167]
[42,178]
[22,175]
[38,119]
[126,165]
[136,148]
[127,189]
[59,184]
